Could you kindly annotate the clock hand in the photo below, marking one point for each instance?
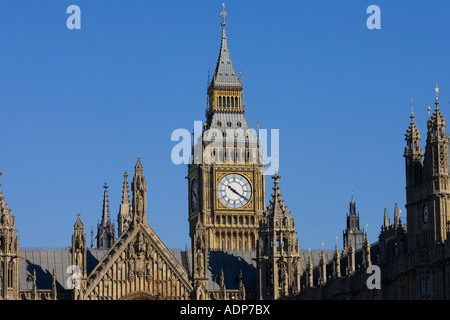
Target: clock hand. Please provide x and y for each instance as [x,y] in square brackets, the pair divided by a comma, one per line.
[234,191]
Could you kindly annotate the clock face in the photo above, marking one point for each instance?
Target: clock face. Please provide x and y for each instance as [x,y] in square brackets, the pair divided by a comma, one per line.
[234,190]
[194,195]
[425,214]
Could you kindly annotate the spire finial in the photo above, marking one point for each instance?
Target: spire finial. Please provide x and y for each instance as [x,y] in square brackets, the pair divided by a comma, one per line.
[223,14]
[437,96]
[412,109]
[105,186]
[276,165]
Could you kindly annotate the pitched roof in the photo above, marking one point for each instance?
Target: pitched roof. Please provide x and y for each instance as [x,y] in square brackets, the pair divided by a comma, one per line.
[225,74]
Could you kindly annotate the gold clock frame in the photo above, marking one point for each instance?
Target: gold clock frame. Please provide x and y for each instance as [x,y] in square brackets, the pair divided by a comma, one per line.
[247,175]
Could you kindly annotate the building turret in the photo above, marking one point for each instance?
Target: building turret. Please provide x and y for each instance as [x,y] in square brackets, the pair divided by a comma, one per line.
[353,232]
[9,253]
[106,232]
[139,189]
[125,212]
[278,256]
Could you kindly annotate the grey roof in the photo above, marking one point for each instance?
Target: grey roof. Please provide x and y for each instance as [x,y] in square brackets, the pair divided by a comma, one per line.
[232,262]
[47,261]
[234,121]
[315,258]
[185,258]
[225,73]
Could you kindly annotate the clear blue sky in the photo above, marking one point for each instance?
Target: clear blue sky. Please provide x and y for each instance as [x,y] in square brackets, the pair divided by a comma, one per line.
[78,106]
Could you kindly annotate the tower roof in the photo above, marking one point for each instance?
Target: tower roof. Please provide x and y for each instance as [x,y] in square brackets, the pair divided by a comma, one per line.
[5,212]
[106,218]
[276,205]
[225,75]
[79,224]
[437,119]
[413,132]
[125,193]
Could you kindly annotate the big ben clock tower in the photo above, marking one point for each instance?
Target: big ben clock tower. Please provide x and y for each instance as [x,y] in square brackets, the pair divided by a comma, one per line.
[226,175]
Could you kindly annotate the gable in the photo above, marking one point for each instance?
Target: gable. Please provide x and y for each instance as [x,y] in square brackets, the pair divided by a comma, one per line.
[138,262]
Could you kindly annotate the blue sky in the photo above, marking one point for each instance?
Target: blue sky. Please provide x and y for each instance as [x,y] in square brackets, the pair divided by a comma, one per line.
[78,106]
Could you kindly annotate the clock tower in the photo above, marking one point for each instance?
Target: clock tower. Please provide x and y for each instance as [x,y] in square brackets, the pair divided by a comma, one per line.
[427,183]
[226,176]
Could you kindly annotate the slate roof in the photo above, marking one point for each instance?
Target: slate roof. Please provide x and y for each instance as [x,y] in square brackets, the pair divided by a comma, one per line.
[45,261]
[231,262]
[225,74]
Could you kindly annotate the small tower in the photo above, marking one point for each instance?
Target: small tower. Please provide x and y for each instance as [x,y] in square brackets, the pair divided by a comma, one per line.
[336,263]
[79,245]
[353,233]
[79,271]
[139,189]
[9,253]
[105,235]
[386,222]
[366,260]
[124,217]
[278,252]
[351,266]
[322,268]
[413,156]
[427,194]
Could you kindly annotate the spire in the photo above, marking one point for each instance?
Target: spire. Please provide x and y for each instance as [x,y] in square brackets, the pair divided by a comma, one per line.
[412,137]
[124,216]
[106,233]
[386,219]
[352,210]
[78,226]
[276,205]
[125,193]
[106,219]
[139,189]
[396,217]
[436,124]
[225,75]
